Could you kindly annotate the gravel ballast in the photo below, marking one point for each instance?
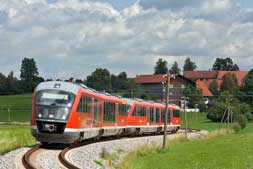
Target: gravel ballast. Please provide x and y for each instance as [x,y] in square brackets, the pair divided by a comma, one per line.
[13,159]
[86,157]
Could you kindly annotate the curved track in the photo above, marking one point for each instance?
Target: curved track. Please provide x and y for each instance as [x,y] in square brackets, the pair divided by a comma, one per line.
[26,158]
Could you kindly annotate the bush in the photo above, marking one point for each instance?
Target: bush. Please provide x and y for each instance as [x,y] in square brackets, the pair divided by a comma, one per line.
[249,116]
[242,121]
[236,128]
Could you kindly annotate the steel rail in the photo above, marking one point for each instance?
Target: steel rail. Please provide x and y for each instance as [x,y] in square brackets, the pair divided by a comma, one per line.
[26,157]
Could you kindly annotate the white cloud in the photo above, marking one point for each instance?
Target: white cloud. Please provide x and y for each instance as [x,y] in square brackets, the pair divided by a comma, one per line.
[73,37]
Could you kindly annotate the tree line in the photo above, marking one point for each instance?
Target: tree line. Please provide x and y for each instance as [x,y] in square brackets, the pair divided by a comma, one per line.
[225,64]
[29,78]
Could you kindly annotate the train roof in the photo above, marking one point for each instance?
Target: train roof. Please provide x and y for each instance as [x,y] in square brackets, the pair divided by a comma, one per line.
[53,85]
[74,87]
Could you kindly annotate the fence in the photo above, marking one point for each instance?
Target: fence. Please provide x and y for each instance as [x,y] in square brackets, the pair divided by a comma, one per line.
[15,113]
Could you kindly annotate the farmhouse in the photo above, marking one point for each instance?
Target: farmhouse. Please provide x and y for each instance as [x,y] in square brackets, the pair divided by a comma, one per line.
[153,83]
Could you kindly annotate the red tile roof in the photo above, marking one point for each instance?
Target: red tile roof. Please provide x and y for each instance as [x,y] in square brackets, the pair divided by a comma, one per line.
[148,79]
[240,75]
[203,87]
[211,75]
[200,74]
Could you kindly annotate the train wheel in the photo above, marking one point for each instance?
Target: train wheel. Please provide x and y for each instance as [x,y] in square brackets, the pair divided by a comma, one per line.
[44,143]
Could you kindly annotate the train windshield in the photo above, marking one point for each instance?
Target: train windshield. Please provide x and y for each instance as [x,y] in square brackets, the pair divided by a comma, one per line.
[53,104]
[54,98]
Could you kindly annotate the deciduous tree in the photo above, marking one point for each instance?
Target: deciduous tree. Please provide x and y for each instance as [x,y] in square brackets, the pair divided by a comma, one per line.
[29,75]
[245,93]
[100,80]
[174,68]
[229,83]
[189,65]
[225,64]
[161,67]
[213,87]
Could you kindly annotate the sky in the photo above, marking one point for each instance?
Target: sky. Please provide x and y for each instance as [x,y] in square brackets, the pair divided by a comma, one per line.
[71,38]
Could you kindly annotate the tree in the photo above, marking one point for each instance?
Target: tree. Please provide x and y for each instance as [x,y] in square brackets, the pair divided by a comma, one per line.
[245,93]
[100,80]
[161,67]
[12,83]
[3,84]
[29,74]
[189,65]
[213,87]
[225,64]
[119,82]
[216,113]
[29,70]
[229,83]
[195,96]
[174,68]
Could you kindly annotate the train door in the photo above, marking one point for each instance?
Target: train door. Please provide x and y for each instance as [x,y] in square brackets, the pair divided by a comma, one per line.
[148,115]
[116,113]
[97,112]
[109,113]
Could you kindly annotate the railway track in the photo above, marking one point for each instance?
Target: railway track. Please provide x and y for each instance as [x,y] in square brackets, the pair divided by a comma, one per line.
[26,160]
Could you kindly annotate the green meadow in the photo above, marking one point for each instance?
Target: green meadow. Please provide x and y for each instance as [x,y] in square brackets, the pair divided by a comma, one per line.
[218,150]
[15,108]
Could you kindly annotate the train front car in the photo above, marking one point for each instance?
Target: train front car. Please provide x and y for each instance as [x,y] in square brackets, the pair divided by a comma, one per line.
[52,106]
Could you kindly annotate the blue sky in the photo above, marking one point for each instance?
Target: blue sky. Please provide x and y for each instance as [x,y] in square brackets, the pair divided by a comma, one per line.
[74,37]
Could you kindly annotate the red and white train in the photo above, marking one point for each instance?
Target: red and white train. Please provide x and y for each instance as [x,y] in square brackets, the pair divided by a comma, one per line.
[65,112]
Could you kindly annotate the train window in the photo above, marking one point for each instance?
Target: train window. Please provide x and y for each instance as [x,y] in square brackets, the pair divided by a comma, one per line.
[163,115]
[85,104]
[176,113]
[109,112]
[140,111]
[154,115]
[123,109]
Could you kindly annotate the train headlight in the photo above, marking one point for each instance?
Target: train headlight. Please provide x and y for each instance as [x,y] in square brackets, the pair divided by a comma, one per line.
[62,113]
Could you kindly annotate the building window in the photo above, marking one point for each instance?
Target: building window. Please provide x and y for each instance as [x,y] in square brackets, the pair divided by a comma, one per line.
[182,86]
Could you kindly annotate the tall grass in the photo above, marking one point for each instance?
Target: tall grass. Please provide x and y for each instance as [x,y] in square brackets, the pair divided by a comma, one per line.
[14,136]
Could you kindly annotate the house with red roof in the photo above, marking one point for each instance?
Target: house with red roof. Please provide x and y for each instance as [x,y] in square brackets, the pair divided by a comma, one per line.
[205,78]
[154,84]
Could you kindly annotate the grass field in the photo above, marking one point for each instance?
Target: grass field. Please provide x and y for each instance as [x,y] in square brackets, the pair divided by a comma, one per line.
[15,108]
[233,151]
[199,121]
[14,136]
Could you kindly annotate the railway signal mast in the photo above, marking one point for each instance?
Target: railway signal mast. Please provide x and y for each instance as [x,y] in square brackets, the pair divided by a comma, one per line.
[166,82]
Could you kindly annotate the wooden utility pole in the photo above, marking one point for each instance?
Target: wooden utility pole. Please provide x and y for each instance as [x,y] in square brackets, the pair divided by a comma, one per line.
[196,113]
[167,84]
[185,118]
